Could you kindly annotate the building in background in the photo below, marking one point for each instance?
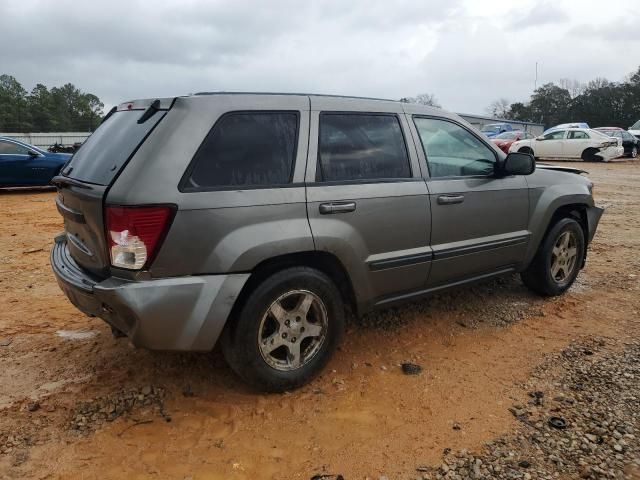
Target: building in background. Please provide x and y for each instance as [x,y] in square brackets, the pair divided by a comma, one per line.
[480,121]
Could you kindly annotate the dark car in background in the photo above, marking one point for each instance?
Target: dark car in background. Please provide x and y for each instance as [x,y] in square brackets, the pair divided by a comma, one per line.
[504,140]
[493,129]
[23,165]
[630,143]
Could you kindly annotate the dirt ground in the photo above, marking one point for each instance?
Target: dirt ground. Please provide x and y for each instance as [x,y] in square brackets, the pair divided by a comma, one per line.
[187,416]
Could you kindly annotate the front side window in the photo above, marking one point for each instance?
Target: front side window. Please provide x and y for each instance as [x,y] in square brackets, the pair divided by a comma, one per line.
[10,148]
[246,149]
[453,151]
[577,136]
[354,147]
[557,135]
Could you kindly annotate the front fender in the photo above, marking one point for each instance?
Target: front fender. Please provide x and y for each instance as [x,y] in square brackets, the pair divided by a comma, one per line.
[544,203]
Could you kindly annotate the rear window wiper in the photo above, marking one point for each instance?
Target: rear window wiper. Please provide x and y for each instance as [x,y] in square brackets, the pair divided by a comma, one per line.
[149,112]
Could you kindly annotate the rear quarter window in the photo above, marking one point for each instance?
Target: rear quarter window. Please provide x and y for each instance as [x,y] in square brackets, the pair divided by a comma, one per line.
[245,149]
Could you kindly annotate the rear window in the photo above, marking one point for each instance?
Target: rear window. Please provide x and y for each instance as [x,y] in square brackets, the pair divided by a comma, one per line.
[361,147]
[245,149]
[105,152]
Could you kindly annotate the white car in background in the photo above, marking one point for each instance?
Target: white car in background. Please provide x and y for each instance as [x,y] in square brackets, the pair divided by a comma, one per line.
[572,143]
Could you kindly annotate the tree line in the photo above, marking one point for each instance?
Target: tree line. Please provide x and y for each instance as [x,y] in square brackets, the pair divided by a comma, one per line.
[60,109]
[598,102]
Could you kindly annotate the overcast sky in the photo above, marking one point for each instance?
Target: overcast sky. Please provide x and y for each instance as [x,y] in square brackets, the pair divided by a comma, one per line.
[466,52]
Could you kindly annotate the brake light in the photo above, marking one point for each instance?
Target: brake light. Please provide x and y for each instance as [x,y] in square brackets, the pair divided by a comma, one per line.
[134,234]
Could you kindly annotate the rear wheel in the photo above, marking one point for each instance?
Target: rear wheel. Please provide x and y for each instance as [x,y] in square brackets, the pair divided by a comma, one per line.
[558,260]
[286,331]
[591,155]
[634,152]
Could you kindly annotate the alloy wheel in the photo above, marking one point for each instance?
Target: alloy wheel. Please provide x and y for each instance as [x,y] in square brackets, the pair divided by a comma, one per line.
[563,257]
[292,330]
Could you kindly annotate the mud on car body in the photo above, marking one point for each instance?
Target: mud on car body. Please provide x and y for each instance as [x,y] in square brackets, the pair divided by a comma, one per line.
[256,220]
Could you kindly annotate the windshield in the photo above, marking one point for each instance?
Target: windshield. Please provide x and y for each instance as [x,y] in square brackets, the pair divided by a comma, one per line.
[105,152]
[507,136]
[491,128]
[635,126]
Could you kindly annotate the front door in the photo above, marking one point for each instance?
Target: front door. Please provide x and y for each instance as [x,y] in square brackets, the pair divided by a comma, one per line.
[14,164]
[479,221]
[366,200]
[550,146]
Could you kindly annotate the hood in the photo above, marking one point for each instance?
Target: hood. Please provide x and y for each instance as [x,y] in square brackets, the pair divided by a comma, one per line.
[63,157]
[544,166]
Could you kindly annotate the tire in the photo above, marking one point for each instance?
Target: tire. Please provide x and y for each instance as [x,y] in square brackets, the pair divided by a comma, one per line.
[546,275]
[591,155]
[260,348]
[526,150]
[634,152]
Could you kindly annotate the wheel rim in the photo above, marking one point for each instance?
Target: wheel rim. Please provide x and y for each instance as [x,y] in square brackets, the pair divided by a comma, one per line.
[634,152]
[564,257]
[292,330]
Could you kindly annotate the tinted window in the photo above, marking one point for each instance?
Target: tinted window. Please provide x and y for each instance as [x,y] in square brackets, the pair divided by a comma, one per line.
[104,153]
[577,136]
[452,150]
[246,149]
[9,148]
[361,147]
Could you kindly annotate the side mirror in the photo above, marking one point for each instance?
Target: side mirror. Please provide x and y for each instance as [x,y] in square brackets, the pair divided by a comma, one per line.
[32,154]
[541,137]
[518,163]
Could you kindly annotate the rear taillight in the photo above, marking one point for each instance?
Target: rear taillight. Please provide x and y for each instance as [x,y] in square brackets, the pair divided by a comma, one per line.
[134,234]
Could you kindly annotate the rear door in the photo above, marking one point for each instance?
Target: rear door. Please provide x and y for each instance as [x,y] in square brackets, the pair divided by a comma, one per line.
[577,142]
[479,221]
[366,201]
[86,178]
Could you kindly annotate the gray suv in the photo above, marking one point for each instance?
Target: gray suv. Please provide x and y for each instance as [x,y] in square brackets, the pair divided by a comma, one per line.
[257,220]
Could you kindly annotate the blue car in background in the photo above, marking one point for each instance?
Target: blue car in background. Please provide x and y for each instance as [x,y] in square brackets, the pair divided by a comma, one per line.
[23,165]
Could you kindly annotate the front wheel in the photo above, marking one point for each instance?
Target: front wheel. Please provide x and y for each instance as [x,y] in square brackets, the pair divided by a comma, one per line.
[286,331]
[634,152]
[558,260]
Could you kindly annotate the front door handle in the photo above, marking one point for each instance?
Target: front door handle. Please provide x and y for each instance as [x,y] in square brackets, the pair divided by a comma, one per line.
[343,207]
[450,199]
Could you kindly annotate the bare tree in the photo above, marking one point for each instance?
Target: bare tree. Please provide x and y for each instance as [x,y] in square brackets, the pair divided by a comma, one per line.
[428,99]
[499,108]
[574,87]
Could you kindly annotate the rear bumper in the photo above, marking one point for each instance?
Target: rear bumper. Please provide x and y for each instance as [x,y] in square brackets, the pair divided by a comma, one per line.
[182,313]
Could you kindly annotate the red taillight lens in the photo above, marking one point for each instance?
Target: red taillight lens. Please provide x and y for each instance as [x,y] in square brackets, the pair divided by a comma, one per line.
[134,233]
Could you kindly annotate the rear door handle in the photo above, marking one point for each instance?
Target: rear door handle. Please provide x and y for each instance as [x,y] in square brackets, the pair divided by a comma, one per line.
[450,199]
[344,207]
